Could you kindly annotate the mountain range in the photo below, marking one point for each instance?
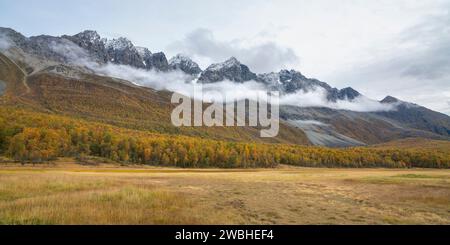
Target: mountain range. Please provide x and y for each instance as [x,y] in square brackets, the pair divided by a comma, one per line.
[40,73]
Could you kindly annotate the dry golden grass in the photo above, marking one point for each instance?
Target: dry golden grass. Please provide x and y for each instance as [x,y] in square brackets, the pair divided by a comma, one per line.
[74,194]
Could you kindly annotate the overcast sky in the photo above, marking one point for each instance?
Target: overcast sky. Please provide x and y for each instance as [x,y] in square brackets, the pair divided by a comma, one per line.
[392,47]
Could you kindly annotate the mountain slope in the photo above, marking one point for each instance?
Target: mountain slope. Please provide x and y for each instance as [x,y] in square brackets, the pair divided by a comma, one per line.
[185,64]
[116,102]
[325,126]
[40,73]
[230,69]
[418,117]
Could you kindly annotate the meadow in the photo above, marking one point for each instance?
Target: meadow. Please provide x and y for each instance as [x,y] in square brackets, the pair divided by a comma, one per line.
[69,193]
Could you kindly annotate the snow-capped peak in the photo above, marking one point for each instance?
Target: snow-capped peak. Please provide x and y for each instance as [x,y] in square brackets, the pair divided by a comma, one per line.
[120,43]
[143,52]
[180,58]
[272,78]
[185,64]
[90,35]
[226,64]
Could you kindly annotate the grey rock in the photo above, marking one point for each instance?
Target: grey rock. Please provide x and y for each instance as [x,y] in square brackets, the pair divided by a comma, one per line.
[291,81]
[13,37]
[159,61]
[185,64]
[415,116]
[230,69]
[122,51]
[92,43]
[389,99]
[348,93]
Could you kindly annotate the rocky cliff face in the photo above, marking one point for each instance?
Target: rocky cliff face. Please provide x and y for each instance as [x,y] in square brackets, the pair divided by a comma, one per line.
[185,64]
[284,81]
[159,62]
[412,115]
[90,45]
[291,81]
[122,51]
[230,69]
[48,55]
[347,93]
[12,37]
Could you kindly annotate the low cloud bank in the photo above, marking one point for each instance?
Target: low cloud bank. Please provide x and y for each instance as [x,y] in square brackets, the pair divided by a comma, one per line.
[185,84]
[318,98]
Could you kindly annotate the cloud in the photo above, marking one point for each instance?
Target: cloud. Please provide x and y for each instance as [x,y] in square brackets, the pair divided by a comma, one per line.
[263,56]
[73,53]
[177,81]
[180,82]
[430,59]
[5,43]
[172,81]
[318,98]
[416,68]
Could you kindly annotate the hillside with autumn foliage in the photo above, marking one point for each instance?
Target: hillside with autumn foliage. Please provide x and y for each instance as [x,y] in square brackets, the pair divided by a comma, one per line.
[27,136]
[64,111]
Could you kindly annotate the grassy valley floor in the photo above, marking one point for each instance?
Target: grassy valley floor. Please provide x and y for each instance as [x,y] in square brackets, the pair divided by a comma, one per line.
[73,194]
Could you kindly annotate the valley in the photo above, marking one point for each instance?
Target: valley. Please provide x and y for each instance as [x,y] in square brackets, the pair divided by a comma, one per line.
[117,83]
[286,121]
[68,193]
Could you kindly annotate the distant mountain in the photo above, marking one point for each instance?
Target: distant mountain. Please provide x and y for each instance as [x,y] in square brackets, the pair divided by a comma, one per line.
[185,64]
[230,69]
[70,91]
[293,81]
[119,51]
[284,81]
[39,72]
[122,51]
[86,44]
[415,116]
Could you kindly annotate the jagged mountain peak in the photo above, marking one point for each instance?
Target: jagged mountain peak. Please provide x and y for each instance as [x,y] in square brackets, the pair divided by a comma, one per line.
[290,75]
[389,99]
[291,81]
[120,43]
[232,61]
[158,61]
[89,35]
[143,52]
[348,93]
[185,64]
[178,58]
[231,69]
[8,32]
[291,71]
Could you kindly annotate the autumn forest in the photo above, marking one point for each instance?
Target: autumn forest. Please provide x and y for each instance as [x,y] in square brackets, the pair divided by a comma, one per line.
[29,137]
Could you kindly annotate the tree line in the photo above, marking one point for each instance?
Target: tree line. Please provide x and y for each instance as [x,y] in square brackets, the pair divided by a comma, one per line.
[37,137]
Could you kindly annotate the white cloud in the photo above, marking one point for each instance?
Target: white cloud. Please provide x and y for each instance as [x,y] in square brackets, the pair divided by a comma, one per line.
[415,68]
[180,82]
[337,41]
[4,42]
[261,56]
[318,98]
